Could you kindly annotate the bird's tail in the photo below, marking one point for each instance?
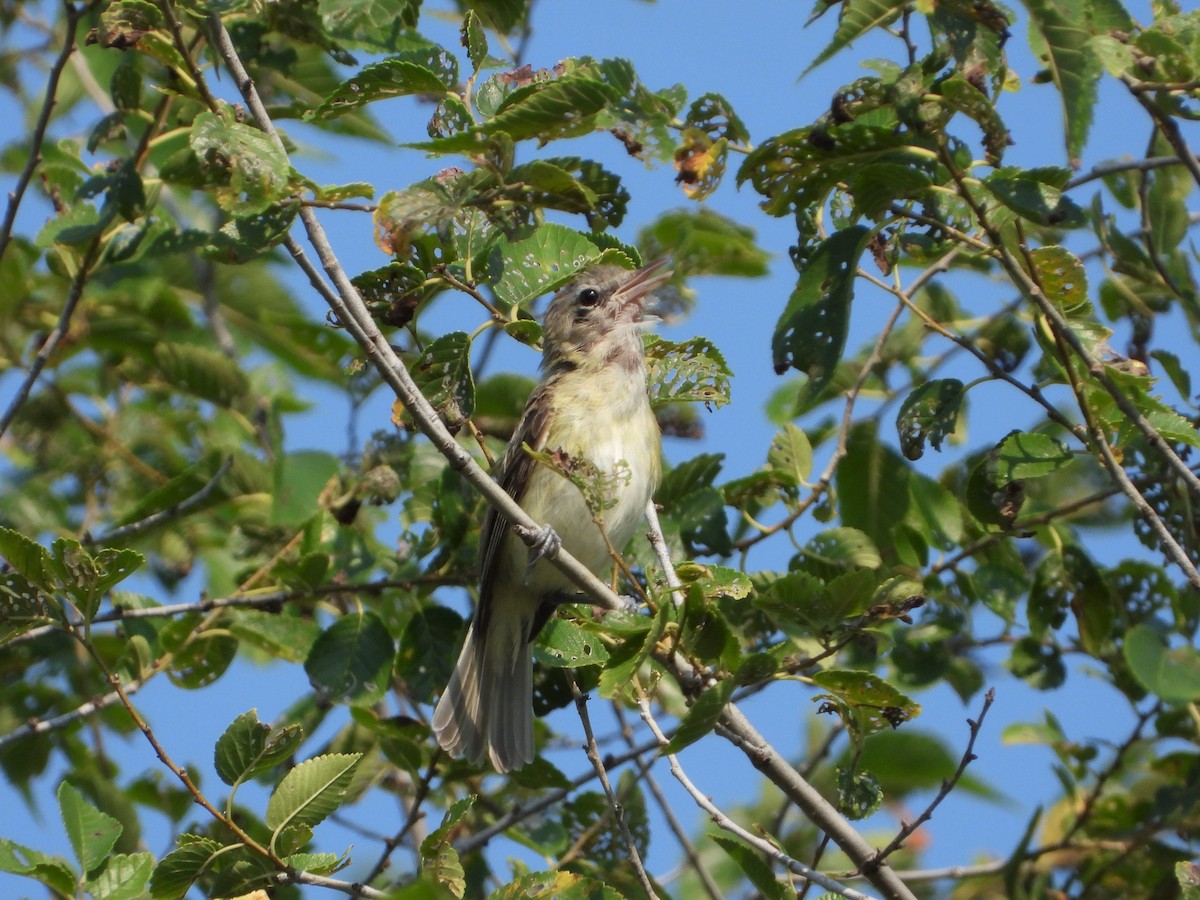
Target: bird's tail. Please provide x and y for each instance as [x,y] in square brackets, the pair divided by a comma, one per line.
[487,708]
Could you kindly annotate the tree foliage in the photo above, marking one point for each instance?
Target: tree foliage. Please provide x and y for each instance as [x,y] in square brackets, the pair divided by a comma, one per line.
[154,354]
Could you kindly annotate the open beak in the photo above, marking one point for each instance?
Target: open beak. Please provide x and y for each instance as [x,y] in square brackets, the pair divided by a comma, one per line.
[642,283]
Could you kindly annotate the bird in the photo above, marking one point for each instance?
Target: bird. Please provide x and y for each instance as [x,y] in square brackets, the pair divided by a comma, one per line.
[591,407]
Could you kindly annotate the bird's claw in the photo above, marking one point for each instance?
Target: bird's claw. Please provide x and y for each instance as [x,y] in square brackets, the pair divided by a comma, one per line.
[545,545]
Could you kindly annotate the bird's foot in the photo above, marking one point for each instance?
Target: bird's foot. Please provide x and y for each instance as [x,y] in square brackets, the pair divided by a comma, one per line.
[546,544]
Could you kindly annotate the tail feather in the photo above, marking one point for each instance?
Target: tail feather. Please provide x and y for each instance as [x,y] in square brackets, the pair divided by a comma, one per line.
[486,710]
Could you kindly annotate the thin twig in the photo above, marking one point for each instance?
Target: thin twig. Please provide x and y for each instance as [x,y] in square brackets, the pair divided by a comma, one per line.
[948,785]
[614,804]
[49,100]
[54,338]
[415,814]
[725,823]
[165,515]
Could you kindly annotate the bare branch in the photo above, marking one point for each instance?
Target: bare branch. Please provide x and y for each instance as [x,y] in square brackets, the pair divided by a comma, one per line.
[968,757]
[724,822]
[614,804]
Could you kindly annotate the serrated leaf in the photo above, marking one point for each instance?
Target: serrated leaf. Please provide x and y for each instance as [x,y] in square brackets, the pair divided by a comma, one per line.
[542,263]
[551,109]
[691,371]
[310,792]
[124,877]
[351,662]
[92,833]
[563,644]
[51,871]
[443,374]
[857,18]
[394,77]
[28,557]
[1029,455]
[202,372]
[702,718]
[180,869]
[247,748]
[438,856]
[811,333]
[1060,26]
[22,606]
[929,413]
[474,39]
[255,170]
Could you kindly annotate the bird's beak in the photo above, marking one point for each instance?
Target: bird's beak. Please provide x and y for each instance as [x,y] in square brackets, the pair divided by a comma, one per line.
[642,283]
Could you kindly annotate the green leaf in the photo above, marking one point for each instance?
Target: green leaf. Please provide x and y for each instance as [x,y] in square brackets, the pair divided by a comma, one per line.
[22,606]
[438,855]
[857,18]
[1036,195]
[691,371]
[28,557]
[1060,27]
[563,644]
[351,662]
[398,76]
[929,413]
[124,877]
[180,869]
[540,264]
[247,748]
[443,374]
[1173,675]
[53,872]
[92,833]
[1187,874]
[1024,455]
[551,109]
[790,456]
[754,867]
[865,702]
[811,333]
[201,371]
[555,886]
[299,479]
[1063,280]
[702,717]
[310,792]
[703,242]
[254,170]
[427,651]
[474,39]
[859,794]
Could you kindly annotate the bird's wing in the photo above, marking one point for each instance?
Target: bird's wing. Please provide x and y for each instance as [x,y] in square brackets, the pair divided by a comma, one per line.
[513,474]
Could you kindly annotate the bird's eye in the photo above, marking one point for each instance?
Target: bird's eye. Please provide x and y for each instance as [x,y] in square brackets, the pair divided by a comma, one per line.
[589,297]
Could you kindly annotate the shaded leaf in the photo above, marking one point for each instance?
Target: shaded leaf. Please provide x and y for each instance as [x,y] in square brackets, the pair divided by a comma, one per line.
[702,718]
[929,413]
[351,662]
[1172,675]
[247,748]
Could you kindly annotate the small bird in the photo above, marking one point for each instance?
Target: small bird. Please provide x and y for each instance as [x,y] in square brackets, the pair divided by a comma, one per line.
[591,406]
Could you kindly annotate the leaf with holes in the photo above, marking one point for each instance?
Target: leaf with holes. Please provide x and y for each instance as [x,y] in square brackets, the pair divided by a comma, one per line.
[416,72]
[929,413]
[692,371]
[254,171]
[443,374]
[811,333]
[564,645]
[438,855]
[1063,280]
[864,702]
[539,264]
